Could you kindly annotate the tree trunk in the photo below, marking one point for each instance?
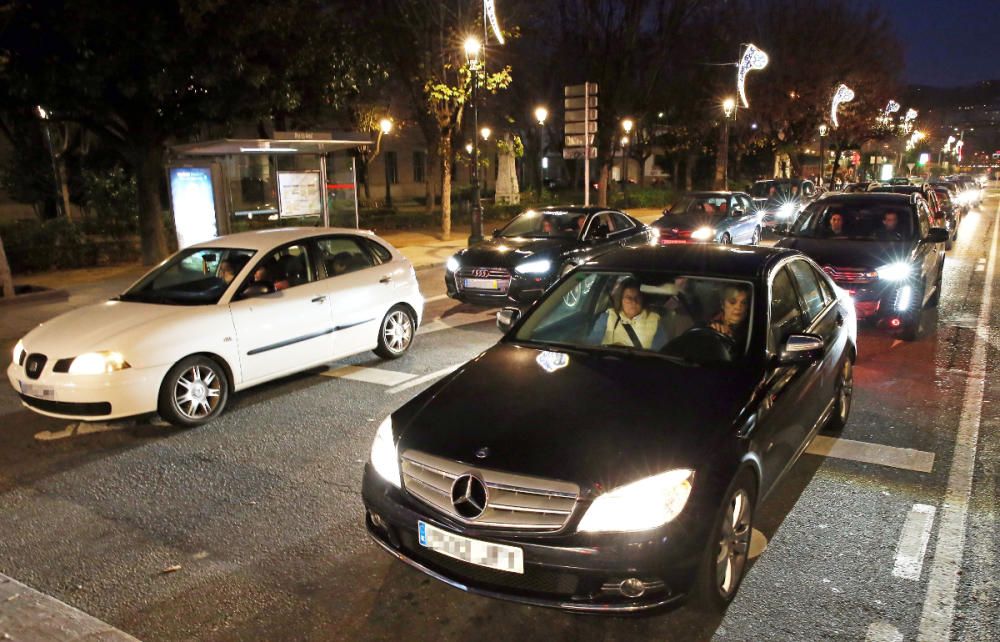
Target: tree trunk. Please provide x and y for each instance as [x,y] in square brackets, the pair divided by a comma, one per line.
[689,171]
[429,185]
[676,178]
[149,172]
[602,186]
[444,151]
[720,155]
[642,169]
[6,280]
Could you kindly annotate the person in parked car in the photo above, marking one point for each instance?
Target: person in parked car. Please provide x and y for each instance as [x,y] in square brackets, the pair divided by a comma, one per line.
[731,320]
[229,268]
[629,323]
[340,263]
[835,224]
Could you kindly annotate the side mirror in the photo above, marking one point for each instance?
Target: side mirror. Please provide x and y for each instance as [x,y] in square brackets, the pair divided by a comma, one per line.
[506,318]
[496,232]
[801,349]
[937,235]
[738,211]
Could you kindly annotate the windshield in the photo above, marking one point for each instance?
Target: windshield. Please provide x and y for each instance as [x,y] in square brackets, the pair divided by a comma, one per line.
[547,223]
[856,222]
[190,277]
[702,205]
[694,320]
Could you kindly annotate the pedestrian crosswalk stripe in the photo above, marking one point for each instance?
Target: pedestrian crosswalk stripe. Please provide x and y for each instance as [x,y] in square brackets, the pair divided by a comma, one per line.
[905,458]
[427,377]
[369,375]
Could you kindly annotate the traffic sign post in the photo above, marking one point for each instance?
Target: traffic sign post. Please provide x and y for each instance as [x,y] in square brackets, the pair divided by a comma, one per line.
[580,128]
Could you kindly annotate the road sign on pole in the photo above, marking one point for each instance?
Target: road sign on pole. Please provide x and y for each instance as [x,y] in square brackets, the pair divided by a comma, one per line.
[580,127]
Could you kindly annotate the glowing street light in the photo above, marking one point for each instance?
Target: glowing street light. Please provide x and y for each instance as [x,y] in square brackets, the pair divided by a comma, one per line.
[541,114]
[385,125]
[485,133]
[627,125]
[728,110]
[728,106]
[753,59]
[844,94]
[823,129]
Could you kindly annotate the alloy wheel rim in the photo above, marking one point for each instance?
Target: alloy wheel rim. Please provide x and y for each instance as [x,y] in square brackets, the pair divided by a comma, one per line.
[398,331]
[734,543]
[197,392]
[846,391]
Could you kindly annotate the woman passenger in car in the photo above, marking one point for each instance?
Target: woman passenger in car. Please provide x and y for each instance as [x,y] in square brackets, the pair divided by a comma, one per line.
[629,323]
[731,320]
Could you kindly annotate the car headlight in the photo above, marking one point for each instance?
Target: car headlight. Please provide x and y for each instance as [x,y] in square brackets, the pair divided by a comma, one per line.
[703,233]
[18,352]
[92,363]
[534,267]
[647,503]
[384,459]
[786,211]
[894,271]
[451,264]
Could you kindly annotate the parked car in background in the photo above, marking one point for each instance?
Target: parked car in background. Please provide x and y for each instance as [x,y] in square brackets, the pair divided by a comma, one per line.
[528,254]
[863,186]
[710,217]
[569,467]
[219,317]
[882,249]
[781,199]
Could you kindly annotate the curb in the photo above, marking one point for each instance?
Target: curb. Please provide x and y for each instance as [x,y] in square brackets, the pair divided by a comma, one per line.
[44,294]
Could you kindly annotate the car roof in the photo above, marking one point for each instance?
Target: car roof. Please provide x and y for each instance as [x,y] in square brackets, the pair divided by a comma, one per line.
[885,198]
[574,209]
[736,261]
[712,193]
[272,237]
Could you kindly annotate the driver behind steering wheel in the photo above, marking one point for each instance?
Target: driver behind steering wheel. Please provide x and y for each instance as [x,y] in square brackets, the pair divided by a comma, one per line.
[629,323]
[731,320]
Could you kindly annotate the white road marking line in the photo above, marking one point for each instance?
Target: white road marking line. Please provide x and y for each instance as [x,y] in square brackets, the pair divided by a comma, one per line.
[369,375]
[913,542]
[427,377]
[981,265]
[896,342]
[942,585]
[435,298]
[883,632]
[81,428]
[440,324]
[905,458]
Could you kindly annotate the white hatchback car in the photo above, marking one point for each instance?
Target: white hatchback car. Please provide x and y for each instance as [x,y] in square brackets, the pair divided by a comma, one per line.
[217,317]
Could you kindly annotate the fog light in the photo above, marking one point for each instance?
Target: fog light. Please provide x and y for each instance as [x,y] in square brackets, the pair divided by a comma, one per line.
[895,322]
[632,587]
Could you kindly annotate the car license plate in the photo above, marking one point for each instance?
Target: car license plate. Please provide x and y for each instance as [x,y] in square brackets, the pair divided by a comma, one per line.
[38,392]
[496,556]
[482,284]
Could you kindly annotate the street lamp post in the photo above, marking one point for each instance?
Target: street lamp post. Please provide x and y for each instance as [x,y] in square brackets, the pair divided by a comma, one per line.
[822,158]
[728,109]
[627,125]
[541,114]
[472,51]
[385,126]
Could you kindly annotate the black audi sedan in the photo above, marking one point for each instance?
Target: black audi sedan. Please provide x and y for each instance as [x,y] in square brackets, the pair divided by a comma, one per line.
[527,255]
[608,454]
[881,248]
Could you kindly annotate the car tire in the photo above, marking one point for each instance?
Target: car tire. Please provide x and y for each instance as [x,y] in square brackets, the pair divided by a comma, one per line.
[395,333]
[845,397]
[911,325]
[724,562]
[188,390]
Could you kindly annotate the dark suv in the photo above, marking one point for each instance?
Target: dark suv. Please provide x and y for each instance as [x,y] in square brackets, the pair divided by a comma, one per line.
[881,248]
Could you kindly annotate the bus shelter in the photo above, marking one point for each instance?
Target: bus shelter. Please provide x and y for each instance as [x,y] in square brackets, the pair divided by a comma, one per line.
[224,186]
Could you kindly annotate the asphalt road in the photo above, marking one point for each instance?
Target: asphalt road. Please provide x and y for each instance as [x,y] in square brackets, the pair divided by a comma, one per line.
[260,510]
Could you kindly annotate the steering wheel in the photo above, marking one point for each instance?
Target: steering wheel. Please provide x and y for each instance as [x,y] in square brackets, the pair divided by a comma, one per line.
[701,344]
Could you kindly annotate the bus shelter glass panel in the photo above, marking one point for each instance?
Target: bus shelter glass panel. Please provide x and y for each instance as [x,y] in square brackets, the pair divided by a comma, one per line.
[340,189]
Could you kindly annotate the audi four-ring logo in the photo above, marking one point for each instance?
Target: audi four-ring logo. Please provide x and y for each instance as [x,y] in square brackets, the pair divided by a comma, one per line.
[468,496]
[480,273]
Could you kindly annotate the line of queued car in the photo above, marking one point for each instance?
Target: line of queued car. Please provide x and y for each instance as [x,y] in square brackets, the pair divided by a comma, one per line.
[658,380]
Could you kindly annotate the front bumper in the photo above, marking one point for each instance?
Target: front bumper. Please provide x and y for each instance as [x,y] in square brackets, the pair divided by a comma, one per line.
[125,393]
[570,571]
[884,303]
[520,290]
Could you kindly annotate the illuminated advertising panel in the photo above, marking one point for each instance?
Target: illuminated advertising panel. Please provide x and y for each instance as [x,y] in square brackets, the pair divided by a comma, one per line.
[194,205]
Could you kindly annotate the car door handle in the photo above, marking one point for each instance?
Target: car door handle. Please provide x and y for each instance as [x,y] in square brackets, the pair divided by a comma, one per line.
[319,299]
[385,279]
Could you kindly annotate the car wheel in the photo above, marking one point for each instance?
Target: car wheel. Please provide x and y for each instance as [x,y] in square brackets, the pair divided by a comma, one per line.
[845,396]
[725,559]
[755,239]
[194,392]
[910,330]
[395,334]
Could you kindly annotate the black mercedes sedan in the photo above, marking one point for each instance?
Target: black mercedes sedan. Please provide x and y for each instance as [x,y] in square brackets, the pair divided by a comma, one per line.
[534,249]
[879,247]
[610,452]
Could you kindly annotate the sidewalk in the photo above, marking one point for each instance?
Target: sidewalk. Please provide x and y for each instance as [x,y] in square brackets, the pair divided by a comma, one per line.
[424,248]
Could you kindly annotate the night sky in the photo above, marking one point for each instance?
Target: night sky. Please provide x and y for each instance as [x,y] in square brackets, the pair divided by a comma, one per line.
[948,43]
